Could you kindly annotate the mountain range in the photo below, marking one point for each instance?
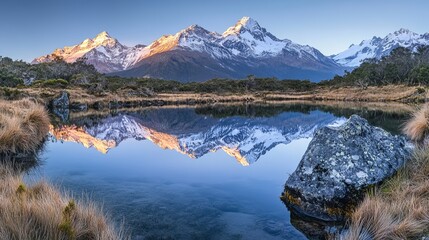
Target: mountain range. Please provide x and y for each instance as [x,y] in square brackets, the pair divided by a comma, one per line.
[196,54]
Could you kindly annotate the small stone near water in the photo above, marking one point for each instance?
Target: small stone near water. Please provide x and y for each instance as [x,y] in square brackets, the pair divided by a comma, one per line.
[62,101]
[61,105]
[358,156]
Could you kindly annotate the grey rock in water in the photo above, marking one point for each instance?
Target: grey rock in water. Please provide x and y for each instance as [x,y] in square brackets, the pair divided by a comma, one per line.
[339,164]
[62,101]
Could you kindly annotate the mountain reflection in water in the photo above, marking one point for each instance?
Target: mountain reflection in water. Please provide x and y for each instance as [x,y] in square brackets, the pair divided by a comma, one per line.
[185,131]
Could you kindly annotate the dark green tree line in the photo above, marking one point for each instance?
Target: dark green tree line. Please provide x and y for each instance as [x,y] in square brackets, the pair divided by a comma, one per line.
[402,66]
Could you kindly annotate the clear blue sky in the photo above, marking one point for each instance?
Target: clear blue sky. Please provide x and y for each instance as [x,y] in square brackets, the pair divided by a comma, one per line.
[30,28]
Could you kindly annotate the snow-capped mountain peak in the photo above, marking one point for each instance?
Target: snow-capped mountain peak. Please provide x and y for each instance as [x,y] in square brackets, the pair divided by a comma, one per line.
[193,38]
[195,28]
[403,31]
[243,25]
[103,35]
[403,35]
[378,47]
[104,39]
[249,23]
[196,33]
[72,53]
[248,38]
[103,51]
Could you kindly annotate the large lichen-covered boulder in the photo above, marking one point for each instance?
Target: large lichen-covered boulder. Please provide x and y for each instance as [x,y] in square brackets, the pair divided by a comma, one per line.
[339,164]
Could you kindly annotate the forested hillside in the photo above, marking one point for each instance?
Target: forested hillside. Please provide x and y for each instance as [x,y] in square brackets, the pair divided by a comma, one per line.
[402,66]
[16,73]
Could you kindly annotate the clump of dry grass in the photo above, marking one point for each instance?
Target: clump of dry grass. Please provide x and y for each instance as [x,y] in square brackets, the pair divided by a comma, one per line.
[418,126]
[40,211]
[23,126]
[399,208]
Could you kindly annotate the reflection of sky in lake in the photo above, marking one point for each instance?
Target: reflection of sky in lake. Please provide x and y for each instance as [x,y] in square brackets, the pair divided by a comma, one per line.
[166,194]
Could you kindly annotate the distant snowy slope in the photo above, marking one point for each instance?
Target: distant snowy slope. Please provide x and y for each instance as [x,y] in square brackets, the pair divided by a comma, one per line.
[378,47]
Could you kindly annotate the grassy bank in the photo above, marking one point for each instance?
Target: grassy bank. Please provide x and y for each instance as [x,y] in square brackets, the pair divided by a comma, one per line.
[132,98]
[399,208]
[40,211]
[387,93]
[23,126]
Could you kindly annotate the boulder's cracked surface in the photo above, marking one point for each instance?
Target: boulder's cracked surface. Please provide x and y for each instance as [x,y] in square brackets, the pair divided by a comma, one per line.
[339,163]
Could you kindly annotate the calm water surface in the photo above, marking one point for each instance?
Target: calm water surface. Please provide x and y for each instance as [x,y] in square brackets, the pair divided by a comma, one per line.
[190,173]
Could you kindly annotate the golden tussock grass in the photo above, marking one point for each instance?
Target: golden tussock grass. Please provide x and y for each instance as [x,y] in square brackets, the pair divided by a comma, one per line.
[371,94]
[40,211]
[399,208]
[23,126]
[418,127]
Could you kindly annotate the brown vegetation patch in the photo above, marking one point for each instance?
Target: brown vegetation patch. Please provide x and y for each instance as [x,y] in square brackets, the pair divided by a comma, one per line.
[288,197]
[389,93]
[23,126]
[418,127]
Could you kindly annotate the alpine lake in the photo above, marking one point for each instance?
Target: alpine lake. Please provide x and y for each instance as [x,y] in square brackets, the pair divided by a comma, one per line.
[196,172]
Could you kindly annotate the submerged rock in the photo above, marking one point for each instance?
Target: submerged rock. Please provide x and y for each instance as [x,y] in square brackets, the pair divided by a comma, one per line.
[339,163]
[314,229]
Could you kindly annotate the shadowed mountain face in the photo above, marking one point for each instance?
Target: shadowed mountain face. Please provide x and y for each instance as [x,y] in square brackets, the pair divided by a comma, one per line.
[192,66]
[195,135]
